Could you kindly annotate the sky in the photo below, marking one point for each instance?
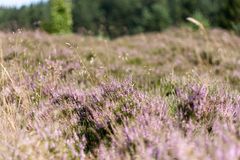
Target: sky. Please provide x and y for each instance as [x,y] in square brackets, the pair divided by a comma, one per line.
[17,3]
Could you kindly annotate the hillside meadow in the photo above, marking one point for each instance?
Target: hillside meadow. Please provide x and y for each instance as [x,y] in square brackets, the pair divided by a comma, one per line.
[171,95]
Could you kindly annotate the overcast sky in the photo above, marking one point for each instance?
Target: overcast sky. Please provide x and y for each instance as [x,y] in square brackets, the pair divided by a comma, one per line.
[17,3]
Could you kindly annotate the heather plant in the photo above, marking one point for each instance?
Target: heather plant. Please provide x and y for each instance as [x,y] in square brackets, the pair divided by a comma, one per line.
[77,97]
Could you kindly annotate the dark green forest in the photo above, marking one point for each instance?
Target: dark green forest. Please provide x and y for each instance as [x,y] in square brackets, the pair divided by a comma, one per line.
[119,17]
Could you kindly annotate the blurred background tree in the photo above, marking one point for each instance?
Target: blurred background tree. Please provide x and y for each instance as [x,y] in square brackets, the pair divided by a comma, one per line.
[156,16]
[26,17]
[114,18]
[87,16]
[229,15]
[60,20]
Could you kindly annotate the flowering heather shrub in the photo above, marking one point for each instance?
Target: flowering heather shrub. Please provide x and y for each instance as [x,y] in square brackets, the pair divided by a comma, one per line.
[193,104]
[70,97]
[158,136]
[100,108]
[146,130]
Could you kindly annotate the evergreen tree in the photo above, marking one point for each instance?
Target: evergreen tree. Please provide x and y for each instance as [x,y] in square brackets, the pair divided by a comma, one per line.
[229,13]
[87,15]
[190,6]
[122,16]
[157,16]
[175,11]
[60,16]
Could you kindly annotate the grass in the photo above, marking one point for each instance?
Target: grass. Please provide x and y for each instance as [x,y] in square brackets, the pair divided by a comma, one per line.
[170,95]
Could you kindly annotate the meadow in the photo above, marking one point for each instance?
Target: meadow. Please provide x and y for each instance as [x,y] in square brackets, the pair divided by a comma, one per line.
[170,95]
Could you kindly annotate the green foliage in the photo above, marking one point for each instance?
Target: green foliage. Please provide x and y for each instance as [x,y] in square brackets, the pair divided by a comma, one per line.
[229,13]
[175,11]
[236,27]
[122,17]
[157,17]
[60,16]
[234,15]
[29,17]
[86,16]
[189,6]
[135,61]
[201,18]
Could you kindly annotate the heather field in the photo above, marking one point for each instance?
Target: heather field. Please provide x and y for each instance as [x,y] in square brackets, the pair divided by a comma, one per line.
[166,96]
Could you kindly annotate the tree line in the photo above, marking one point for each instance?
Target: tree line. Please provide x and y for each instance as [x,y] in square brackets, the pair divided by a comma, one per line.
[118,17]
